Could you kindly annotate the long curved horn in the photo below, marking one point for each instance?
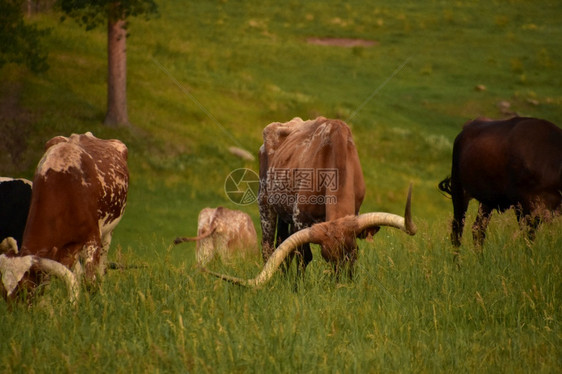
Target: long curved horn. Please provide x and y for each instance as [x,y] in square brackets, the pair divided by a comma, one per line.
[13,269]
[179,240]
[57,269]
[388,219]
[310,235]
[275,260]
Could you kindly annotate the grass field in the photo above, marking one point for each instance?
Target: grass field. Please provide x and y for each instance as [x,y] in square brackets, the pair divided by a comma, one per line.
[205,76]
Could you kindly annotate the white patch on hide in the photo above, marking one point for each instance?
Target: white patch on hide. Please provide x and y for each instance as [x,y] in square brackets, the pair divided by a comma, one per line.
[13,270]
[86,257]
[60,158]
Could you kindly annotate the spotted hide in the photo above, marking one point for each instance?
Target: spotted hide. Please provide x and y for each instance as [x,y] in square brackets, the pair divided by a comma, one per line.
[79,196]
[309,173]
[223,233]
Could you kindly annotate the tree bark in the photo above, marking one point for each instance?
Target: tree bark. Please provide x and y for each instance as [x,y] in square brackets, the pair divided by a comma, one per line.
[117,74]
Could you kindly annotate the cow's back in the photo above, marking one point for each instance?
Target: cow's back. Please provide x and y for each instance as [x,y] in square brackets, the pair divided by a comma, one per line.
[80,189]
[242,234]
[316,148]
[233,234]
[536,162]
[503,163]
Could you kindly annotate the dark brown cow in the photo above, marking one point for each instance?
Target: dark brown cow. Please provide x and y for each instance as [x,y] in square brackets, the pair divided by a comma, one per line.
[224,233]
[79,196]
[503,164]
[309,173]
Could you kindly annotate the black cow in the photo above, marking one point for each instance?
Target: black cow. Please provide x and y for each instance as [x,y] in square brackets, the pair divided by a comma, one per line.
[15,197]
[506,163]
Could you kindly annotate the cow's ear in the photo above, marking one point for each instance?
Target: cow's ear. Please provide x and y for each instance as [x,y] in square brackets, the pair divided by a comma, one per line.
[368,233]
[9,245]
[54,141]
[13,270]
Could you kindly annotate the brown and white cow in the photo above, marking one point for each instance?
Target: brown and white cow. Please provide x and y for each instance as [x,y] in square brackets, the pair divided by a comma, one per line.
[309,173]
[79,195]
[223,232]
[503,164]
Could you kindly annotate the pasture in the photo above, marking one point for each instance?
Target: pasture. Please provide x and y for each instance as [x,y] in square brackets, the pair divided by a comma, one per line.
[205,76]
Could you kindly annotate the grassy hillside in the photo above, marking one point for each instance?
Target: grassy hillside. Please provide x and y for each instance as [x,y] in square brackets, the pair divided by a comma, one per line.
[205,76]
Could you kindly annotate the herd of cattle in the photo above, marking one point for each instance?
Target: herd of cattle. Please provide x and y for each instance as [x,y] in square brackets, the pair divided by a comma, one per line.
[311,190]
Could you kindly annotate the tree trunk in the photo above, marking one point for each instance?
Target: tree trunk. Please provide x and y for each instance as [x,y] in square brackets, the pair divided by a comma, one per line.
[117,74]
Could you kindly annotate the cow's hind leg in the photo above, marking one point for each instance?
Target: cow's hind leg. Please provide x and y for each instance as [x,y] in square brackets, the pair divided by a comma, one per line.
[527,222]
[268,220]
[480,225]
[283,232]
[88,265]
[460,205]
[303,253]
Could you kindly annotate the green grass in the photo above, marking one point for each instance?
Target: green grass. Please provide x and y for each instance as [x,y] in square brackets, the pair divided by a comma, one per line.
[409,307]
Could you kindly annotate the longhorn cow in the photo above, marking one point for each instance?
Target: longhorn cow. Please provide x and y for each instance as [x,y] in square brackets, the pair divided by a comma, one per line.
[310,173]
[79,196]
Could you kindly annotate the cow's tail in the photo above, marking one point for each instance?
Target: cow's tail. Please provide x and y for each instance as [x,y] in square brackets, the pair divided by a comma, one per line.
[118,266]
[179,240]
[445,187]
